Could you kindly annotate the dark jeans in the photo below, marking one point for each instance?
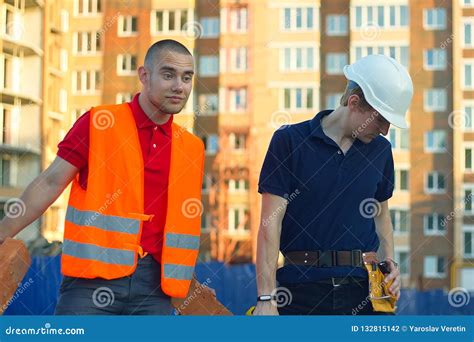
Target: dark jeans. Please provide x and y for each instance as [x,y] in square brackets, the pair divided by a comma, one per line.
[323,298]
[137,294]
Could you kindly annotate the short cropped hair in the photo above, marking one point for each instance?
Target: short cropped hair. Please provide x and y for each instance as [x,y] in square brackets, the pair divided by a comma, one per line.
[353,88]
[164,45]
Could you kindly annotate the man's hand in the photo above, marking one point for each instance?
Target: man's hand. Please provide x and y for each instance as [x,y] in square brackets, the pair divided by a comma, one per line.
[395,275]
[3,235]
[265,309]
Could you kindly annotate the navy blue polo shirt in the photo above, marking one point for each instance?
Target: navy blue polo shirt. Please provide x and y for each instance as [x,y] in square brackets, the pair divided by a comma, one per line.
[325,189]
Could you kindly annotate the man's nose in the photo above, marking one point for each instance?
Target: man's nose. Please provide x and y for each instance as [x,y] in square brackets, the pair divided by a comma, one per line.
[178,86]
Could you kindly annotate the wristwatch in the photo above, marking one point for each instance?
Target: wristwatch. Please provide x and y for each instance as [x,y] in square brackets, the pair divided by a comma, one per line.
[264,298]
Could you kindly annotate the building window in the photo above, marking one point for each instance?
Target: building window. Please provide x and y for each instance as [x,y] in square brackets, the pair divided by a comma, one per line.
[86,43]
[468,239]
[87,7]
[434,18]
[433,224]
[401,179]
[435,141]
[63,95]
[208,104]
[298,19]
[434,100]
[400,53]
[298,99]
[238,59]
[402,257]
[468,190]
[238,99]
[384,17]
[400,220]
[335,62]
[126,65]
[123,98]
[64,20]
[127,25]
[336,25]
[5,167]
[298,58]
[208,66]
[435,183]
[237,142]
[207,183]
[467,3]
[435,59]
[86,82]
[238,219]
[467,115]
[333,100]
[467,75]
[467,33]
[238,185]
[63,60]
[210,27]
[206,222]
[165,21]
[434,267]
[13,22]
[211,143]
[238,20]
[468,157]
[399,138]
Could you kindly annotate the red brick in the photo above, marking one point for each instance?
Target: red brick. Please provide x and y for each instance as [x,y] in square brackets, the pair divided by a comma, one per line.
[200,301]
[14,263]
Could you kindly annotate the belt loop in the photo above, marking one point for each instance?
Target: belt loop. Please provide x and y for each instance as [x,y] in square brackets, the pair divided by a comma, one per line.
[334,258]
[318,255]
[358,257]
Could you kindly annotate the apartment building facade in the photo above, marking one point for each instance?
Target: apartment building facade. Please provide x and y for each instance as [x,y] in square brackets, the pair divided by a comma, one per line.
[260,64]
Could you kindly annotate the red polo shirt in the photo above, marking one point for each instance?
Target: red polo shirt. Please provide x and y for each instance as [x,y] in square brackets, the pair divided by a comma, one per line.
[155,141]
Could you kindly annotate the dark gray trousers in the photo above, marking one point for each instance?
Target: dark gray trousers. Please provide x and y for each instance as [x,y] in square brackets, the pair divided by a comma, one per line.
[137,294]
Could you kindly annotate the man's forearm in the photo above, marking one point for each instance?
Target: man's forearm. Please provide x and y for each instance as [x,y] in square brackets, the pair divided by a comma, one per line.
[36,198]
[385,234]
[268,246]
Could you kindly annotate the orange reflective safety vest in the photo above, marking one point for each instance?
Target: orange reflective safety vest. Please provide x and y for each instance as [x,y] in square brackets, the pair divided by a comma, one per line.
[104,223]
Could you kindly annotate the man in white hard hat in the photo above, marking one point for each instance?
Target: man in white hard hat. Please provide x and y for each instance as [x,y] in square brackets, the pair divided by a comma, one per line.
[325,185]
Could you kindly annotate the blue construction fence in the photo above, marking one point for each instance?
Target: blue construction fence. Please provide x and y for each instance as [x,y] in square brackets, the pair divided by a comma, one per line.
[235,287]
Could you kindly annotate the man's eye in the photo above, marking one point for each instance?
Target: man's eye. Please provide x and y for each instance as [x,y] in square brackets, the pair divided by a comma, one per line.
[168,76]
[187,78]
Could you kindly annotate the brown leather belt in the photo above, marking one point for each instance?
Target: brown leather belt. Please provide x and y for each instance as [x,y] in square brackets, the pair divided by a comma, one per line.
[325,258]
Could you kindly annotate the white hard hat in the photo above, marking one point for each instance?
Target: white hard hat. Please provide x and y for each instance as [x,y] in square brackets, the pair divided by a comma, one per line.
[386,85]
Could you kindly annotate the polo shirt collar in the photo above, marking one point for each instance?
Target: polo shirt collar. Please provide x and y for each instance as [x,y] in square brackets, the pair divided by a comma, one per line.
[143,121]
[317,129]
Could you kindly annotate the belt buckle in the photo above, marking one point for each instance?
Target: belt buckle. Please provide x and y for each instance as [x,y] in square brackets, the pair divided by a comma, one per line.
[334,283]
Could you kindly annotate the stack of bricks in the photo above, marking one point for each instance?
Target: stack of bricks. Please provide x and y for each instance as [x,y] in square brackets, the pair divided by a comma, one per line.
[14,263]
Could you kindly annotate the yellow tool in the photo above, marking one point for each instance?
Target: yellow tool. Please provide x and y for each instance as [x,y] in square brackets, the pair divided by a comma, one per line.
[380,297]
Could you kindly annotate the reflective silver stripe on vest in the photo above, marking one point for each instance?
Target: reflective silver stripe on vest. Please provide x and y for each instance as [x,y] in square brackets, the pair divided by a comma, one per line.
[185,241]
[92,252]
[105,222]
[179,272]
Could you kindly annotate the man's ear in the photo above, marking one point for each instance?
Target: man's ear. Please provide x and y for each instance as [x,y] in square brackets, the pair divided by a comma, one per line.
[353,102]
[143,74]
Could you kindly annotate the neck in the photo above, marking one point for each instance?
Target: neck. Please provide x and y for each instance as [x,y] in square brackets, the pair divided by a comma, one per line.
[335,126]
[151,111]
